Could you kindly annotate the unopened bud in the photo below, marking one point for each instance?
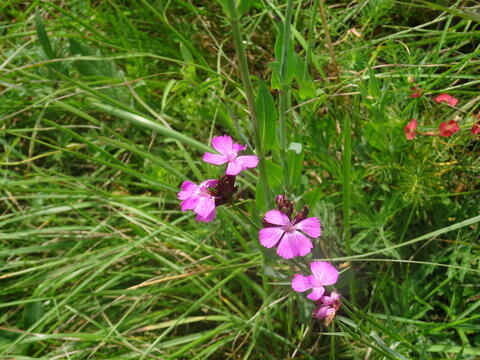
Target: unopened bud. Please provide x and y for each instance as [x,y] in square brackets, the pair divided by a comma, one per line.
[284,206]
[301,215]
[225,189]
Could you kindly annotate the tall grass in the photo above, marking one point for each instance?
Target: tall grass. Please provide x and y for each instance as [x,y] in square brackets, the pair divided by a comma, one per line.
[106,107]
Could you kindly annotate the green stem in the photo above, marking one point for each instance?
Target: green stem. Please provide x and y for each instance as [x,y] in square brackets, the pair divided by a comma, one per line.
[283,97]
[347,165]
[301,265]
[328,39]
[237,38]
[245,216]
[332,342]
[311,28]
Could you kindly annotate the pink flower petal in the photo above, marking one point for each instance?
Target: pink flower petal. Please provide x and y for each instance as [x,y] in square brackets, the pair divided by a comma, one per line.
[310,226]
[409,129]
[443,130]
[416,92]
[269,236]
[324,272]
[189,189]
[316,293]
[248,161]
[223,144]
[454,126]
[208,184]
[323,312]
[205,205]
[294,244]
[238,147]
[207,218]
[301,283]
[450,100]
[302,244]
[285,250]
[276,217]
[329,300]
[475,128]
[447,130]
[190,203]
[234,167]
[214,158]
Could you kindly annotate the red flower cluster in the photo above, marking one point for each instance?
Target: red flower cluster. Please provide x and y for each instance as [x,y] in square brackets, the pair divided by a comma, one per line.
[445,129]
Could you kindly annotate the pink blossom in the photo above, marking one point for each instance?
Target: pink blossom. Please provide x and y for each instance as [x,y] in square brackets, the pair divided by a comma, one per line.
[475,128]
[289,235]
[409,129]
[327,307]
[447,130]
[229,154]
[323,273]
[416,92]
[199,198]
[450,100]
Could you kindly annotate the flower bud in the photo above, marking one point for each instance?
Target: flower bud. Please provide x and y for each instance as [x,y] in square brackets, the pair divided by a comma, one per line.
[283,205]
[301,215]
[224,190]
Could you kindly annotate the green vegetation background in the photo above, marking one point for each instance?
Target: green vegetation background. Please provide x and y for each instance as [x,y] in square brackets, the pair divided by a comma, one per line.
[107,106]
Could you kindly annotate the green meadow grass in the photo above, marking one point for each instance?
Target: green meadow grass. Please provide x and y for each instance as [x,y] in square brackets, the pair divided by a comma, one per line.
[107,106]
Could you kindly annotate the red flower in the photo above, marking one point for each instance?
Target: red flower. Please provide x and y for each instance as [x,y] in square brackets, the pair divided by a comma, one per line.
[450,100]
[475,128]
[447,130]
[417,92]
[409,129]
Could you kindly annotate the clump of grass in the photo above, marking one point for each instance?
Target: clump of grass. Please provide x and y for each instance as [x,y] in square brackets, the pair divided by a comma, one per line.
[106,109]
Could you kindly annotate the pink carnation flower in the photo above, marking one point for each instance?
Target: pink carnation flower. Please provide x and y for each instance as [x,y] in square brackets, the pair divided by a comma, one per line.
[199,199]
[450,100]
[447,130]
[229,154]
[409,129]
[323,273]
[327,307]
[289,235]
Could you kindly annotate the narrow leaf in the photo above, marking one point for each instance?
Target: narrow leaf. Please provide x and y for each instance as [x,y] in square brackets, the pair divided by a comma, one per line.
[144,122]
[266,115]
[43,37]
[295,162]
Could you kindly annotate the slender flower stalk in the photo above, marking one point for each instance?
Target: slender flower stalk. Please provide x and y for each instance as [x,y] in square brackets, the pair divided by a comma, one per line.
[328,39]
[311,33]
[346,174]
[283,96]
[237,38]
